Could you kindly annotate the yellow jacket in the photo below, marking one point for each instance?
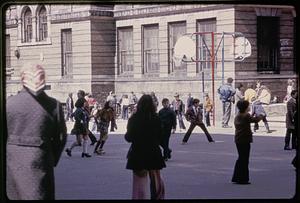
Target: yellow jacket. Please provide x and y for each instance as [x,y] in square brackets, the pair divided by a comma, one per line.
[249,94]
[208,105]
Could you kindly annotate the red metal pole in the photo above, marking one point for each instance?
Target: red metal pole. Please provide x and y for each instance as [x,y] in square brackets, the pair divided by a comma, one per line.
[213,73]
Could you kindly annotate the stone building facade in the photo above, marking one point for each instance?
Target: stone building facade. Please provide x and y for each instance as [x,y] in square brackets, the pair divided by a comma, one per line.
[124,48]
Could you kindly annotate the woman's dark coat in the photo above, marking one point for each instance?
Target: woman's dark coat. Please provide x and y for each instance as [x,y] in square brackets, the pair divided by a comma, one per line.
[36,138]
[144,152]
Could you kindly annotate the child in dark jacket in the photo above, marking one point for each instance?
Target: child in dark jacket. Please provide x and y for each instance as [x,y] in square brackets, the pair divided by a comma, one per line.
[168,122]
[243,138]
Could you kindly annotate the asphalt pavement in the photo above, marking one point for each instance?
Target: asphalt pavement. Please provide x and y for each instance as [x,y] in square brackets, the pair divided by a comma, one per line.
[197,170]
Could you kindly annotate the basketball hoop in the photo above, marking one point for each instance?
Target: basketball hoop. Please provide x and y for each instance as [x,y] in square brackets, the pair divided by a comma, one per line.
[184,49]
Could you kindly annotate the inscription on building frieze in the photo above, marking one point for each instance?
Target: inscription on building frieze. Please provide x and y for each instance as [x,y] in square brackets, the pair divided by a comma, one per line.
[286,49]
[157,9]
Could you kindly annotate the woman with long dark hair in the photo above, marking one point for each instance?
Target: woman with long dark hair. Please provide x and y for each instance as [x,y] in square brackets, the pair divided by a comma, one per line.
[145,156]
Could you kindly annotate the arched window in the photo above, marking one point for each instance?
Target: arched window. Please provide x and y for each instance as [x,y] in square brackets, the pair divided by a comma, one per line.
[27,25]
[42,24]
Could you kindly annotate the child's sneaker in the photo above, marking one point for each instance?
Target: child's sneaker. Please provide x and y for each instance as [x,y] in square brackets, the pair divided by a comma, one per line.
[100,152]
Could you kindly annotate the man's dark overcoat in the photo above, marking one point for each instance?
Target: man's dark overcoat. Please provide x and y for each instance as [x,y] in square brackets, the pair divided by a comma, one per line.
[36,138]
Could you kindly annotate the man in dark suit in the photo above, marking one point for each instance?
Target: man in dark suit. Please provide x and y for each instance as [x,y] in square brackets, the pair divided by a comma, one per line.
[290,122]
[36,132]
[194,115]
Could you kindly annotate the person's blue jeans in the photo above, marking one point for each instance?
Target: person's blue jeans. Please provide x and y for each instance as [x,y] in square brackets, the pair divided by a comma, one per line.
[226,113]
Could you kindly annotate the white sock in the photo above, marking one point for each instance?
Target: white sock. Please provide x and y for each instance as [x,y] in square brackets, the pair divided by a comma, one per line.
[85,146]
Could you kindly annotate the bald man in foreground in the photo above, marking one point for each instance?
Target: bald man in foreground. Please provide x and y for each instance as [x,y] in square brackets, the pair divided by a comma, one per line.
[36,136]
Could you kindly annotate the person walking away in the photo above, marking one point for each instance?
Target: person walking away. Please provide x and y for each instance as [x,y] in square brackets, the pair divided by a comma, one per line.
[36,136]
[144,156]
[239,96]
[243,137]
[178,108]
[69,107]
[80,128]
[104,116]
[195,116]
[168,122]
[189,100]
[208,107]
[226,92]
[290,122]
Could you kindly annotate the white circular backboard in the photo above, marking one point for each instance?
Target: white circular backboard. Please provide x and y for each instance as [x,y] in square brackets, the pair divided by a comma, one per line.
[242,48]
[185,47]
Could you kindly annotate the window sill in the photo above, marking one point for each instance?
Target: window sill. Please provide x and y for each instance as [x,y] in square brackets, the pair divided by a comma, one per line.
[268,72]
[38,43]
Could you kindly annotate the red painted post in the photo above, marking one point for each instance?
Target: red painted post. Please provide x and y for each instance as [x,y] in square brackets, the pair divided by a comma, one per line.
[213,73]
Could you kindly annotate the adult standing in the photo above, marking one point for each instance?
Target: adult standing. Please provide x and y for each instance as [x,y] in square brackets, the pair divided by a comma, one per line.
[195,116]
[208,107]
[125,106]
[69,107]
[36,137]
[178,108]
[189,101]
[290,122]
[110,96]
[144,155]
[226,92]
[290,87]
[132,102]
[113,105]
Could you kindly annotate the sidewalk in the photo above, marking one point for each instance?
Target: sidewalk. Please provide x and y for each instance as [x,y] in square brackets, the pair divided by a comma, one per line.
[277,126]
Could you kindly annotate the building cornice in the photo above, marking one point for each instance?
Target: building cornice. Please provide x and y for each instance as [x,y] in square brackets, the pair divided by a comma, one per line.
[168,9]
[79,16]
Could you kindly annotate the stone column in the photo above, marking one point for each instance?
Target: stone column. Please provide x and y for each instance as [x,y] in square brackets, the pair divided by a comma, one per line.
[34,29]
[190,28]
[19,30]
[163,48]
[137,54]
